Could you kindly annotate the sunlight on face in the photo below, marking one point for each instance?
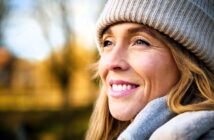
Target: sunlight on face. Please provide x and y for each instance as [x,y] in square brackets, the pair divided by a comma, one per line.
[135,67]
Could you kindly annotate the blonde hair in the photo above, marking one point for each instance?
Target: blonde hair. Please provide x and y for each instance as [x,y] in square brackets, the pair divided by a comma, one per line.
[194,91]
[102,125]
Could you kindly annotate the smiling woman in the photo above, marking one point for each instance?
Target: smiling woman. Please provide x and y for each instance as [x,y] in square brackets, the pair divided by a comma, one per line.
[156,69]
[134,68]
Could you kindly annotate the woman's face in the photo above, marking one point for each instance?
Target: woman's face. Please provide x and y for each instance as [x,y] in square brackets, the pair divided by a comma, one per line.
[135,67]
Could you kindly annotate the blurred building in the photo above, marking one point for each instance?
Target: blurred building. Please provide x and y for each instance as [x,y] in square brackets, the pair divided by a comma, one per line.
[31,94]
[33,86]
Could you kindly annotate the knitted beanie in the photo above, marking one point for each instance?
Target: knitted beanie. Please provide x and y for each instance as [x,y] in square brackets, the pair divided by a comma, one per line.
[188,22]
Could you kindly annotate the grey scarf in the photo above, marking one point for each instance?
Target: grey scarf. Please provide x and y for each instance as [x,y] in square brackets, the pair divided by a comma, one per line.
[157,122]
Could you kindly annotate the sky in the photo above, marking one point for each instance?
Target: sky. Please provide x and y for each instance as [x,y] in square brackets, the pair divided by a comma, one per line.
[23,35]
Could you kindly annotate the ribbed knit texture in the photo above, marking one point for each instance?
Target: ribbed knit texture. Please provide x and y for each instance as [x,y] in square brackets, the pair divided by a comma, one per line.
[187,126]
[156,122]
[189,22]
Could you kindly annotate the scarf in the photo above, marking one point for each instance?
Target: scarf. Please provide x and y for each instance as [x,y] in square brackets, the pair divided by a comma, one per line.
[157,122]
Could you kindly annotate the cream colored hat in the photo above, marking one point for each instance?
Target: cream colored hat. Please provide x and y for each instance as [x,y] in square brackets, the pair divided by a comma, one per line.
[189,22]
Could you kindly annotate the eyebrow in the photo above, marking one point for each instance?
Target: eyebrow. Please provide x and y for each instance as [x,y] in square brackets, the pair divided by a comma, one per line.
[135,30]
[141,29]
[107,31]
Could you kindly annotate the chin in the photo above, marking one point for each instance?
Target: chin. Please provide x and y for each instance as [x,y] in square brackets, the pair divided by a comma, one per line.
[121,117]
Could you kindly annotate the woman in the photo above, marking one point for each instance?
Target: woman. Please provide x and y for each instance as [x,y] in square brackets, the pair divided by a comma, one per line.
[156,69]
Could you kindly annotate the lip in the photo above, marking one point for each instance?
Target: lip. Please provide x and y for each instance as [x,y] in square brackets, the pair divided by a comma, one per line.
[117,94]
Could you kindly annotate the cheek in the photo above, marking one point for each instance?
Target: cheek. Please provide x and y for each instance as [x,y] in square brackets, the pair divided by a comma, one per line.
[144,65]
[158,70]
[101,68]
[153,64]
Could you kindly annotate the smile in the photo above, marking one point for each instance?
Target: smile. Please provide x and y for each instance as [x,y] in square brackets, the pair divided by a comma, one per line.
[120,88]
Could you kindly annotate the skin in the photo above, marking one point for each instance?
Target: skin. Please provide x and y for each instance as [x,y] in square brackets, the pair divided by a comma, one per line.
[138,64]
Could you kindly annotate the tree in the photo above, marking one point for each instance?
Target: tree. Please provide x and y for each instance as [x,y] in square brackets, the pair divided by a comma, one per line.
[7,60]
[3,14]
[58,12]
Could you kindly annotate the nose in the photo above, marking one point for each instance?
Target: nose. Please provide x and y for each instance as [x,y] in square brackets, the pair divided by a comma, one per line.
[117,60]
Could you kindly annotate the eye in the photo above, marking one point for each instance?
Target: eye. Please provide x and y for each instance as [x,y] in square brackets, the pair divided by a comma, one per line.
[107,43]
[141,42]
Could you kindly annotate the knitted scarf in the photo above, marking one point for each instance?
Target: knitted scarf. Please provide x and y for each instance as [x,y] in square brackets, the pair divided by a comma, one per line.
[157,122]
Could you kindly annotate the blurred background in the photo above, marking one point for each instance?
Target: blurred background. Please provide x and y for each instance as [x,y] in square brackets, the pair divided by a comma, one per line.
[46,48]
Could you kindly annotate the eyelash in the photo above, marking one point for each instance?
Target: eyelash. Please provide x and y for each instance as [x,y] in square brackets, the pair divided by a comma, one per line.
[106,43]
[137,41]
[140,41]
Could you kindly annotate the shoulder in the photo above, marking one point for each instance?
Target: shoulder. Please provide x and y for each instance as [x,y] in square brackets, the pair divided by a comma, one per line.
[186,126]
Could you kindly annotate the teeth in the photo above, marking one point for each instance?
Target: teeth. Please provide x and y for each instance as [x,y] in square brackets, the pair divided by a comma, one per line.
[122,87]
